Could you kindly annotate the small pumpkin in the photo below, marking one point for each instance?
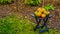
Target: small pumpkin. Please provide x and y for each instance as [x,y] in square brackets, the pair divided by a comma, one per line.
[43,15]
[37,13]
[41,9]
[41,12]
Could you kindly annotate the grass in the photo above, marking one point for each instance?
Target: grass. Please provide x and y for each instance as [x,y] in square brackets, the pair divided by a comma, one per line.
[17,25]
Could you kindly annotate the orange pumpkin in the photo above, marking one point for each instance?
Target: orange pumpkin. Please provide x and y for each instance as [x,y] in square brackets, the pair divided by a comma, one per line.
[45,12]
[41,12]
[40,9]
[43,15]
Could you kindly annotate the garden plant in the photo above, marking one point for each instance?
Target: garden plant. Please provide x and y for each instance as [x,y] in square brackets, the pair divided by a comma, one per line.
[32,2]
[5,1]
[49,7]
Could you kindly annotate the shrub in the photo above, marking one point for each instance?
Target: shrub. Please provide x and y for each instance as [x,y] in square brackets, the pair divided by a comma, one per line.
[32,2]
[49,7]
[5,1]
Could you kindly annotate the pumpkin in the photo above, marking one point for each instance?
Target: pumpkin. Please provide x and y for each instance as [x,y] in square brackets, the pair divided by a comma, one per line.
[43,15]
[37,13]
[41,12]
[40,9]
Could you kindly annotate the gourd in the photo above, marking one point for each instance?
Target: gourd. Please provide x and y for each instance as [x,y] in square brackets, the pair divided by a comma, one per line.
[41,12]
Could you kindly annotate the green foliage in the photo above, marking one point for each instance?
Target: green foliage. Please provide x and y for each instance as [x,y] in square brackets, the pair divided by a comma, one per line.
[32,2]
[5,1]
[59,1]
[49,7]
[17,25]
